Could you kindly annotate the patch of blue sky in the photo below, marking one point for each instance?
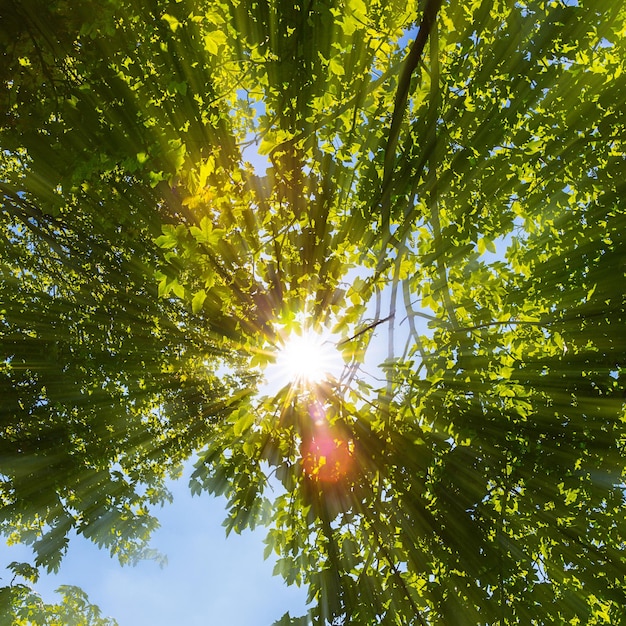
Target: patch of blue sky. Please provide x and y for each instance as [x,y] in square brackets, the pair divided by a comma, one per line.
[501,245]
[250,154]
[408,37]
[208,578]
[250,145]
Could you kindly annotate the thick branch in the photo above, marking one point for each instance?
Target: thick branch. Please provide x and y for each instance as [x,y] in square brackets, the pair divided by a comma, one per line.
[402,95]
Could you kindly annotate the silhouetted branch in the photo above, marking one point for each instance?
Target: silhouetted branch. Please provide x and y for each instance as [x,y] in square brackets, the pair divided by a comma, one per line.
[402,94]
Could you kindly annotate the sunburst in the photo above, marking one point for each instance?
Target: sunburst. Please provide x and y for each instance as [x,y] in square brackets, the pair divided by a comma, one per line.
[307,358]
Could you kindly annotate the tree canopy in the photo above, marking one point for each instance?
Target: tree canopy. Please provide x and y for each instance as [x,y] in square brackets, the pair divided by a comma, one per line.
[444,192]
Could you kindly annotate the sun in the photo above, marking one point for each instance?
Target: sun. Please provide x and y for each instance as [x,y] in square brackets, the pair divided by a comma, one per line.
[307,358]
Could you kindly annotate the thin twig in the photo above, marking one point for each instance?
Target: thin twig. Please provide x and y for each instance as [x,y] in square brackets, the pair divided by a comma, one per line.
[364,330]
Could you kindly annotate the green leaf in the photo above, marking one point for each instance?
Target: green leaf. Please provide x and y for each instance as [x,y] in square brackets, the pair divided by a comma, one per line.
[485,244]
[163,288]
[167,241]
[198,301]
[172,21]
[213,41]
[155,178]
[336,67]
[358,8]
[177,288]
[204,232]
[243,423]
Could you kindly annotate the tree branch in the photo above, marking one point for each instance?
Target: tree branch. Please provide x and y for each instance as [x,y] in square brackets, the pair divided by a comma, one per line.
[364,330]
[398,576]
[402,94]
[391,334]
[406,292]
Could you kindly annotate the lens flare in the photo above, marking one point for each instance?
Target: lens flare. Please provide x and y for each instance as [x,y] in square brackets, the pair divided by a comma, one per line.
[327,456]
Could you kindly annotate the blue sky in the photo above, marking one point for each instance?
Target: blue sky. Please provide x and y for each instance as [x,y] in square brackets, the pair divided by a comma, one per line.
[209,579]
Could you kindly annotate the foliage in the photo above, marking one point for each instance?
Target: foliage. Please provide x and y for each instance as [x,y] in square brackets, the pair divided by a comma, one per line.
[106,388]
[21,606]
[449,175]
